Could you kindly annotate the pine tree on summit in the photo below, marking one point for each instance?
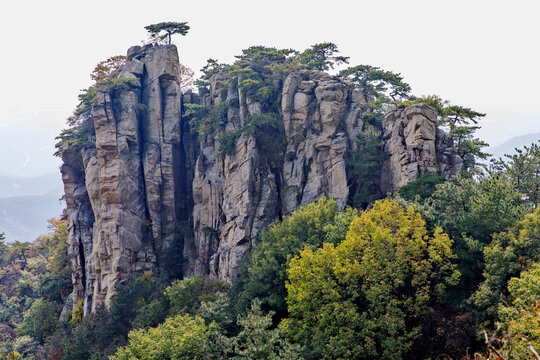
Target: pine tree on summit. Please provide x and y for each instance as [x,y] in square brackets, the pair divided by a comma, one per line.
[170,28]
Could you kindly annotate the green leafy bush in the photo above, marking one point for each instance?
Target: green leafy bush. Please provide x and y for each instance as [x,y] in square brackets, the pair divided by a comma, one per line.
[364,166]
[265,269]
[185,296]
[364,297]
[510,253]
[180,337]
[423,187]
[40,320]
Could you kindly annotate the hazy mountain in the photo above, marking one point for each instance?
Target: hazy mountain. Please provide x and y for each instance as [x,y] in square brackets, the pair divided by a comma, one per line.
[24,218]
[27,203]
[22,186]
[509,146]
[26,152]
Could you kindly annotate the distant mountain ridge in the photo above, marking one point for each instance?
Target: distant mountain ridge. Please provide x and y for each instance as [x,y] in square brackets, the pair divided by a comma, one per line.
[509,146]
[24,218]
[23,186]
[26,203]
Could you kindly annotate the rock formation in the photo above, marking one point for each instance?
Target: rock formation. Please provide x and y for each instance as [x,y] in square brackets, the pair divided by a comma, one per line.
[415,145]
[144,192]
[236,195]
[128,193]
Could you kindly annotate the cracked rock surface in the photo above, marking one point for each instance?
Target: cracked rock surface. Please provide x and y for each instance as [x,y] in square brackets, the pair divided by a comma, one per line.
[147,193]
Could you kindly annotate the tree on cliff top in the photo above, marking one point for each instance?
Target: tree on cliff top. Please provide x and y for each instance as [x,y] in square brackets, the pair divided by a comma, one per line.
[170,28]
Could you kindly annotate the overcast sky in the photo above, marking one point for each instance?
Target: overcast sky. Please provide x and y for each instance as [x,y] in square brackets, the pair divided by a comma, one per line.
[480,54]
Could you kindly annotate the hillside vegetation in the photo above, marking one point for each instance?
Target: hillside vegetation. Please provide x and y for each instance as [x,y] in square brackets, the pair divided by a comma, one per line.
[441,269]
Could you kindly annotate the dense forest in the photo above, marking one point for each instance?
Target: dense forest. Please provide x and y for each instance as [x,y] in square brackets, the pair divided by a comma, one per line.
[440,269]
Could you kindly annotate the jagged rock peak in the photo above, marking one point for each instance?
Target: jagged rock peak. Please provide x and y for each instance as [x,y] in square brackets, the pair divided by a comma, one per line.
[147,192]
[126,194]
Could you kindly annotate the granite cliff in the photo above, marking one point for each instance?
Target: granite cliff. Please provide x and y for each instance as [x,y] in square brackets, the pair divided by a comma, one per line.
[146,192]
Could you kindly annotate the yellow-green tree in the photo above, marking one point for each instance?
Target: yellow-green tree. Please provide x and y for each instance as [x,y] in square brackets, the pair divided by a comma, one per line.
[510,253]
[365,297]
[180,337]
[265,273]
[520,320]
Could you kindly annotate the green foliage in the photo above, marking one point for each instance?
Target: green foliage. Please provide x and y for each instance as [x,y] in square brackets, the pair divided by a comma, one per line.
[3,246]
[75,137]
[195,115]
[267,129]
[217,311]
[120,83]
[185,296]
[520,321]
[364,297]
[169,28]
[10,310]
[55,284]
[34,281]
[179,337]
[78,348]
[107,68]
[423,187]
[260,71]
[80,123]
[510,253]
[138,303]
[380,89]
[203,121]
[77,313]
[151,313]
[476,209]
[364,168]
[227,142]
[265,270]
[258,341]
[523,169]
[130,298]
[322,57]
[40,320]
[471,211]
[375,82]
[212,67]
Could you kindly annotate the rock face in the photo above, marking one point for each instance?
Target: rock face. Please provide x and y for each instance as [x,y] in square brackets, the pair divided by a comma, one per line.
[146,193]
[322,118]
[127,193]
[414,146]
[236,195]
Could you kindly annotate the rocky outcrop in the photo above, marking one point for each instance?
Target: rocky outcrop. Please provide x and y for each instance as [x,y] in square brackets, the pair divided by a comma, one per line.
[322,118]
[415,145]
[236,195]
[146,192]
[127,193]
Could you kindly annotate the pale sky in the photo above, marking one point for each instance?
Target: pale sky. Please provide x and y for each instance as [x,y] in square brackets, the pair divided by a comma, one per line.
[480,54]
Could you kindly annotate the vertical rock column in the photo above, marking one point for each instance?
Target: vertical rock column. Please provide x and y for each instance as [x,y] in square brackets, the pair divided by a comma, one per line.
[80,222]
[115,186]
[127,190]
[322,118]
[234,194]
[162,153]
[414,146]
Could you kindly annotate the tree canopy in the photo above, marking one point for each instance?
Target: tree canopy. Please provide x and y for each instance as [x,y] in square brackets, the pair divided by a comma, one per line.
[363,298]
[265,270]
[168,28]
